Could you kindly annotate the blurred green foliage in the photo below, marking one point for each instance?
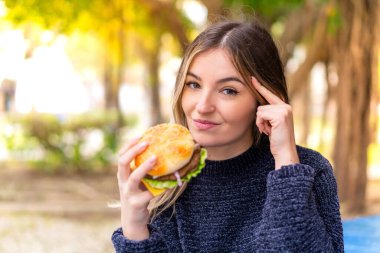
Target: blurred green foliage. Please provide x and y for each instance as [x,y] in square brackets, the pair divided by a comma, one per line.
[271,10]
[334,19]
[55,144]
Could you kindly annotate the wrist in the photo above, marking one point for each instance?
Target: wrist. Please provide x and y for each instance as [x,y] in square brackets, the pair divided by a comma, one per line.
[286,157]
[136,233]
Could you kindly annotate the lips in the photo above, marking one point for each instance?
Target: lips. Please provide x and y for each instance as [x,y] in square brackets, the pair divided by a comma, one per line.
[204,124]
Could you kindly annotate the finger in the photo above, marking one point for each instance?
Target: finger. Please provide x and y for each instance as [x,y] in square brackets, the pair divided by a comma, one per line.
[264,126]
[146,196]
[277,113]
[128,156]
[126,159]
[263,122]
[267,94]
[278,108]
[260,124]
[130,144]
[138,174]
[140,200]
[267,127]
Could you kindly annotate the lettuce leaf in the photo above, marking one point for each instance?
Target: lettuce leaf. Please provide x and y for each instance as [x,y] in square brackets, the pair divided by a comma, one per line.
[168,184]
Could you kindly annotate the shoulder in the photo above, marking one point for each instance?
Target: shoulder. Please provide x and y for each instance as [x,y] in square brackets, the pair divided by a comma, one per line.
[314,159]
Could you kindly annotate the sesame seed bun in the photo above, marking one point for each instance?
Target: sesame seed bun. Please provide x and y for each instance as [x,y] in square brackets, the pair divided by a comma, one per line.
[178,157]
[171,143]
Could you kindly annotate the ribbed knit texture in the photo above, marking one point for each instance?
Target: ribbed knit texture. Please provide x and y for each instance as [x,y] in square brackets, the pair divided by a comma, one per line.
[244,205]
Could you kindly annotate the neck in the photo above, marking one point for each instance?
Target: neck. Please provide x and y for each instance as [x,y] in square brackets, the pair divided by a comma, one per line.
[218,153]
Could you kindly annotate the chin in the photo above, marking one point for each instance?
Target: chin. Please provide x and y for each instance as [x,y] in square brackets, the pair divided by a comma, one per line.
[206,142]
[205,138]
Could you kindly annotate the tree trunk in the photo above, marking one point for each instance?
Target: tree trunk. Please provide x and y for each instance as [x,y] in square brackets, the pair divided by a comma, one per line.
[317,51]
[113,76]
[297,25]
[114,62]
[153,63]
[329,106]
[111,86]
[167,17]
[214,9]
[306,111]
[356,57]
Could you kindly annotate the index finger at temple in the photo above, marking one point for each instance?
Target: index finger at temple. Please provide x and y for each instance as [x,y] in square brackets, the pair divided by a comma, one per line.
[267,94]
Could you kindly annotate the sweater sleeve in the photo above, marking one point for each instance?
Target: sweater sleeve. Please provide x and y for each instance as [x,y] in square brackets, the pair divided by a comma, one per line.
[154,243]
[301,212]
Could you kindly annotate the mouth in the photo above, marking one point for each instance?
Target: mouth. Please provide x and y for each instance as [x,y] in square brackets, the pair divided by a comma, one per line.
[204,124]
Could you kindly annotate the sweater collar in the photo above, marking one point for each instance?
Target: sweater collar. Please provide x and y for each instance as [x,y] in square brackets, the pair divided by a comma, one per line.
[255,157]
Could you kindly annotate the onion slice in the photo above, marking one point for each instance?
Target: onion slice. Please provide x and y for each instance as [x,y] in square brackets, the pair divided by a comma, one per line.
[176,174]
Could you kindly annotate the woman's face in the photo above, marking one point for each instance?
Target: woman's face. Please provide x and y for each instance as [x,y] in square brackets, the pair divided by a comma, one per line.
[219,108]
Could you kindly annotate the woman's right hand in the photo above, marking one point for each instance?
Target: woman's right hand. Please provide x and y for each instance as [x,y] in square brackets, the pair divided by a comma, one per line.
[134,197]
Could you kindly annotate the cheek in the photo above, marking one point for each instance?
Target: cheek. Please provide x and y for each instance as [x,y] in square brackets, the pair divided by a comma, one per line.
[186,103]
[242,112]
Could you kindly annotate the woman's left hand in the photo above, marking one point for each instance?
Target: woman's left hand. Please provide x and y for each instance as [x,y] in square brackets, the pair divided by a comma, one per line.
[276,121]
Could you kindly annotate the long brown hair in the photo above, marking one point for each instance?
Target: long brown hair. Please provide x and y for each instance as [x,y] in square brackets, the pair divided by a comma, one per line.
[253,53]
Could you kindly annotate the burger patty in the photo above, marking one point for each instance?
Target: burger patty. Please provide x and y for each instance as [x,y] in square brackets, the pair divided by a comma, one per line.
[191,165]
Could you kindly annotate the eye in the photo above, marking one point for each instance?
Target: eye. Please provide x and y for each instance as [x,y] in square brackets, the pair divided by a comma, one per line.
[230,91]
[192,85]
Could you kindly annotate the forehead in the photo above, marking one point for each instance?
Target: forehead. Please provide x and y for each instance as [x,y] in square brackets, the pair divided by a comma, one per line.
[216,61]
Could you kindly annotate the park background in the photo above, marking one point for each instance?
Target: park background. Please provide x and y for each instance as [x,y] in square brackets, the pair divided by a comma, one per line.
[80,77]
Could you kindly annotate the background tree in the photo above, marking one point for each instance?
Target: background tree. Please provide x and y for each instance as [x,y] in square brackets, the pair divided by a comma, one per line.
[113,23]
[356,56]
[163,17]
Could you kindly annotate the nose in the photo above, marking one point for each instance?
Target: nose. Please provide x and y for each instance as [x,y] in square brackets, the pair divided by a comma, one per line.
[205,103]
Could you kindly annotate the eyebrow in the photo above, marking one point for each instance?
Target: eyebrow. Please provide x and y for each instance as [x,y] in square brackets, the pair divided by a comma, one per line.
[223,80]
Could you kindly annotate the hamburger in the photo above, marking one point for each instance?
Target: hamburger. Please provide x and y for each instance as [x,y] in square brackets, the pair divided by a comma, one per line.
[179,158]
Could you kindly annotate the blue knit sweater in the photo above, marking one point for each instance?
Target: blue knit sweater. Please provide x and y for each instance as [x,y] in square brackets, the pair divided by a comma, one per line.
[244,205]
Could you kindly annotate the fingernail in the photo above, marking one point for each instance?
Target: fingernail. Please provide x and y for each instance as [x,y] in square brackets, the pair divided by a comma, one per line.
[256,81]
[153,158]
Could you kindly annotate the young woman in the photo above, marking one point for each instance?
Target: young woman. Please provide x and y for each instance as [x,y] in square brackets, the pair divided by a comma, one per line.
[259,192]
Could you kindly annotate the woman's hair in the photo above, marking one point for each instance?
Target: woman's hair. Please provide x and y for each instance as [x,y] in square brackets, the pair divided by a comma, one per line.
[252,52]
